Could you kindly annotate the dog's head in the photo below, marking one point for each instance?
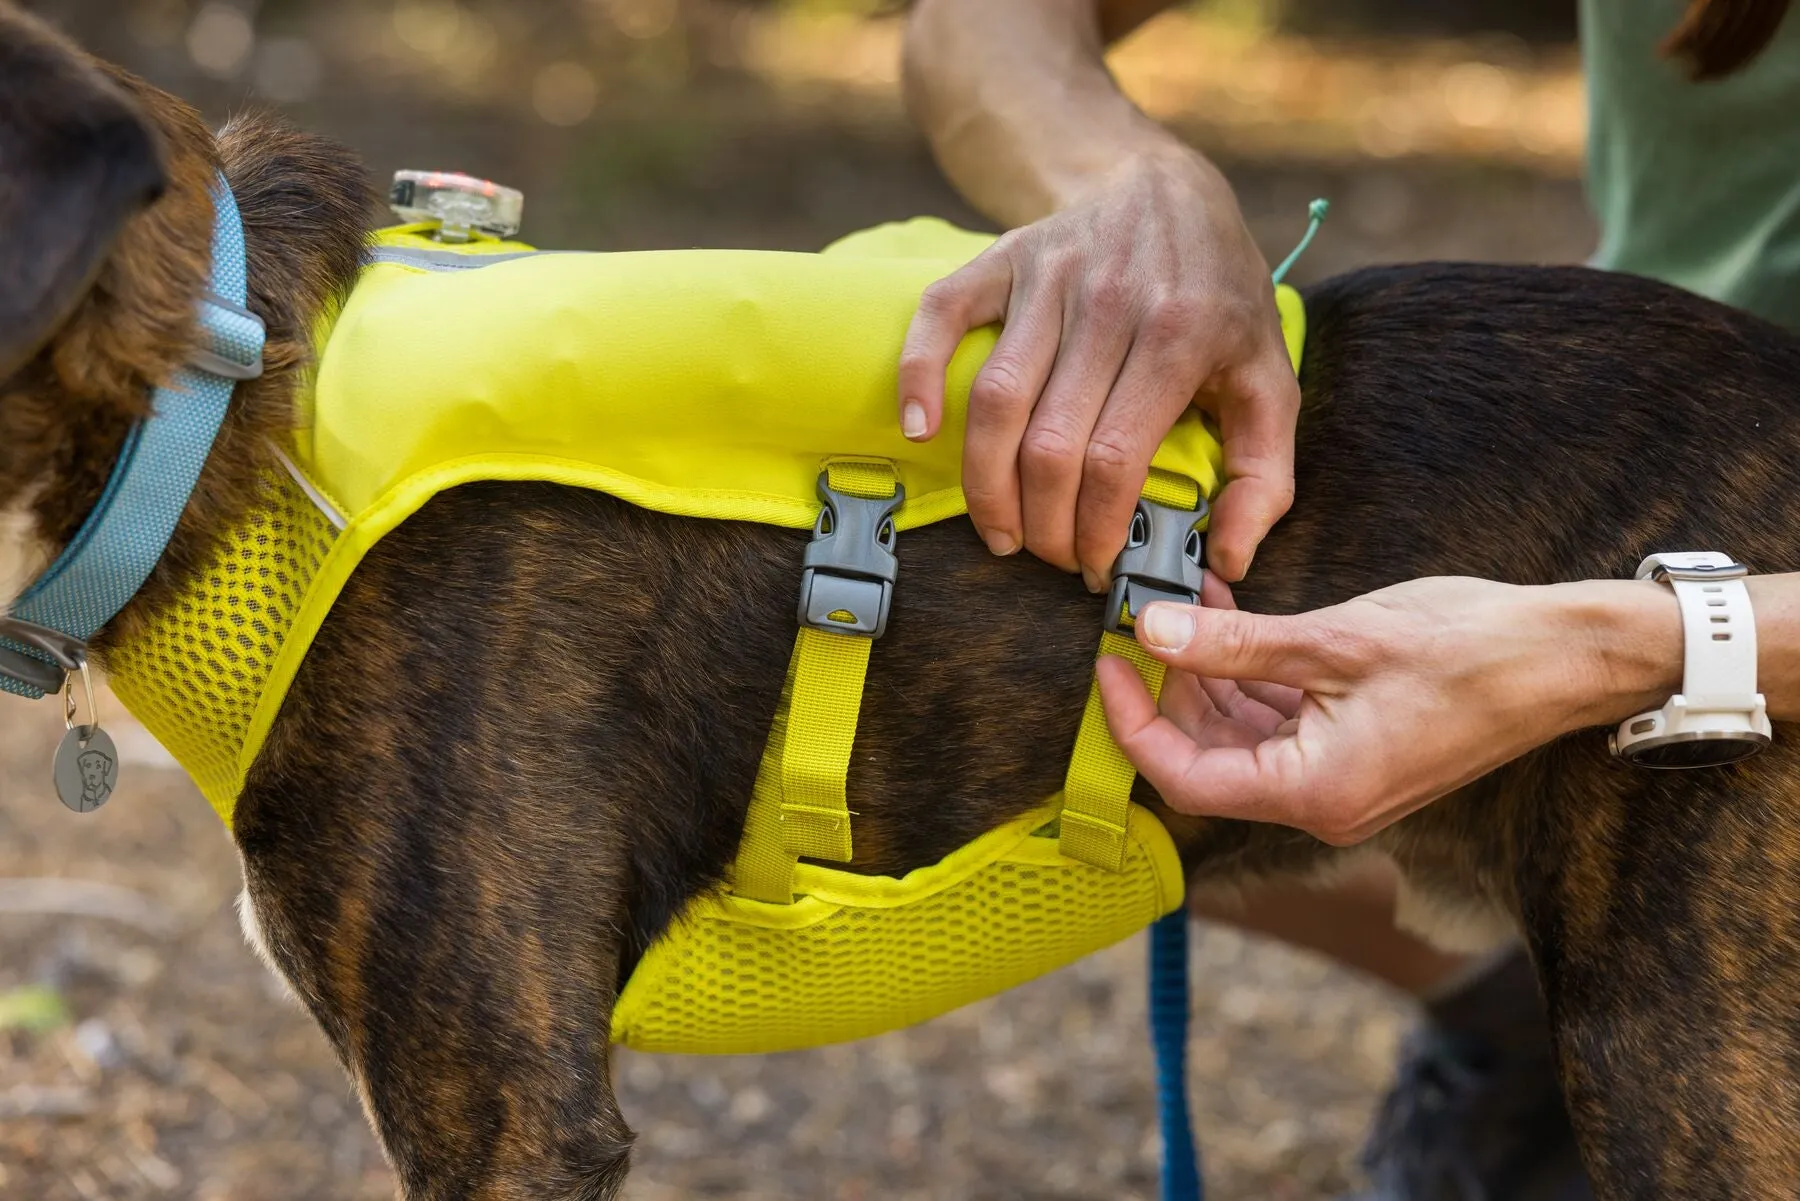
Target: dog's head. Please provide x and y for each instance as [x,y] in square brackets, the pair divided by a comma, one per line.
[106,217]
[81,161]
[104,228]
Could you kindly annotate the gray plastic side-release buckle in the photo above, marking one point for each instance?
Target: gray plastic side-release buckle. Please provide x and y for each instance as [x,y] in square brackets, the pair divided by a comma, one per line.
[1161,562]
[848,584]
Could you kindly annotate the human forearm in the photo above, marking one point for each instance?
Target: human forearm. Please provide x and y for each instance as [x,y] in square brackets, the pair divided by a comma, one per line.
[1018,105]
[1776,602]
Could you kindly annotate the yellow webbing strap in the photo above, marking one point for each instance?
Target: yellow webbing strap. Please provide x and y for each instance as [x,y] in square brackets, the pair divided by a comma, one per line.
[799,806]
[1097,790]
[815,754]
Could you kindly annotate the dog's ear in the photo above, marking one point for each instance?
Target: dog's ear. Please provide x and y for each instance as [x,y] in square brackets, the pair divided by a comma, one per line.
[77,160]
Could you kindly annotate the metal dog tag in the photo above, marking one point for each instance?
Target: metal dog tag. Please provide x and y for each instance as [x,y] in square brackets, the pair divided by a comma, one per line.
[86,769]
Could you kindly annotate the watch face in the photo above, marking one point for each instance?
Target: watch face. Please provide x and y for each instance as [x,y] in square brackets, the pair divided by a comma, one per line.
[1680,751]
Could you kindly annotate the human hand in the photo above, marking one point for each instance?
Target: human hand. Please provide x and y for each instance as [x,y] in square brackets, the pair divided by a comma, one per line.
[1119,312]
[1346,719]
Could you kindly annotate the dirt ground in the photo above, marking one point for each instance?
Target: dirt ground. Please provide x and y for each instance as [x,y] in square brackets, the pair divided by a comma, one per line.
[144,1053]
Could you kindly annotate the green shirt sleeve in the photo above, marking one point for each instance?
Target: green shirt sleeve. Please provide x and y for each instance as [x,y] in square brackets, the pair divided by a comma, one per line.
[1695,184]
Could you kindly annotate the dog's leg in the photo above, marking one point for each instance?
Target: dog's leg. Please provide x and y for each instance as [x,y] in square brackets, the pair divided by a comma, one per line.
[467,995]
[523,738]
[1664,911]
[437,841]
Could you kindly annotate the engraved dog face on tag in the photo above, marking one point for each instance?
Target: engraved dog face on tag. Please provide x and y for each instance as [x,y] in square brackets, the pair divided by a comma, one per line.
[86,769]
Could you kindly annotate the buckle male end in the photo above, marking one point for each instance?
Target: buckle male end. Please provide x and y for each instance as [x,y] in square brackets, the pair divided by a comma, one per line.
[1162,561]
[847,586]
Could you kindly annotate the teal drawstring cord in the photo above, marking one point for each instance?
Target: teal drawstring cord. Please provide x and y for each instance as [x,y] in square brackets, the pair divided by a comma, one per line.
[1316,211]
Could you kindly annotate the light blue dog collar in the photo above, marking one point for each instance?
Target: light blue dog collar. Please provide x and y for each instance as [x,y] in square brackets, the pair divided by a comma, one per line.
[117,547]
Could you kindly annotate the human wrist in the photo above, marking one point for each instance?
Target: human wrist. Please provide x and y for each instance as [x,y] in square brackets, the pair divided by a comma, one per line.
[1627,643]
[1079,175]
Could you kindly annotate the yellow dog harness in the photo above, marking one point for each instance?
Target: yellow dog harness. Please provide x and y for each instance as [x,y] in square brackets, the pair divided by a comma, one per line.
[751,386]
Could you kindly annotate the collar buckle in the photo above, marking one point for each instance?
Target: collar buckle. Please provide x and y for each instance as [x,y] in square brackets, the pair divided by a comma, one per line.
[850,567]
[1162,561]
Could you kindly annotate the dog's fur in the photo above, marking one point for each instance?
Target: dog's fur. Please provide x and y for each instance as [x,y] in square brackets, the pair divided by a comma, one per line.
[526,735]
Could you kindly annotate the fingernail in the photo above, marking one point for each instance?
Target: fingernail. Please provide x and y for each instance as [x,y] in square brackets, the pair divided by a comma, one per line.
[1168,627]
[1001,542]
[1092,579]
[912,419]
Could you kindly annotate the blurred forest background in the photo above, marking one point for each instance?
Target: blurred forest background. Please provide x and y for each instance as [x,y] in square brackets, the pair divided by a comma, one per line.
[636,123]
[143,1051]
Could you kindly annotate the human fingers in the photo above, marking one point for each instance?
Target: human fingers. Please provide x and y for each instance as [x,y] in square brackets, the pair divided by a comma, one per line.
[1237,701]
[1257,419]
[1279,697]
[1096,338]
[1313,782]
[1002,402]
[1153,389]
[1213,774]
[974,295]
[1304,651]
[1215,593]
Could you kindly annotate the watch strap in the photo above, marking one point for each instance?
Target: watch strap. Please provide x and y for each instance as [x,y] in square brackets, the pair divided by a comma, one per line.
[1718,627]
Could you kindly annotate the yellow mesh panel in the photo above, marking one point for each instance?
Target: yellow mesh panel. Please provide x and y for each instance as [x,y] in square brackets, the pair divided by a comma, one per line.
[193,679]
[862,955]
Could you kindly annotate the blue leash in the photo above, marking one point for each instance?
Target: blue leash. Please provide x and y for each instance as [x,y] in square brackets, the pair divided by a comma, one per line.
[1168,1035]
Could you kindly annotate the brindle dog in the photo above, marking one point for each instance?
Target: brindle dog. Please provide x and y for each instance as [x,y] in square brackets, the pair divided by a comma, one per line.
[455,876]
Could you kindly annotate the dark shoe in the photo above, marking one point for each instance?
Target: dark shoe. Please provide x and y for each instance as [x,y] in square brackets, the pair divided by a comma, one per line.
[1476,1113]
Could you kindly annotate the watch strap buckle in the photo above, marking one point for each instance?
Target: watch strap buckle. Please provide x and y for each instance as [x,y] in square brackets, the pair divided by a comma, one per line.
[1691,565]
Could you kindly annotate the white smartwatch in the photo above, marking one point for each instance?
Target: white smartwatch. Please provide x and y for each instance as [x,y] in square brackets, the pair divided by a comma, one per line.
[1718,716]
